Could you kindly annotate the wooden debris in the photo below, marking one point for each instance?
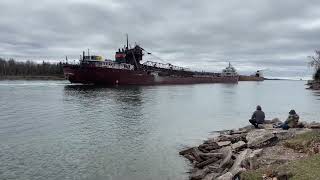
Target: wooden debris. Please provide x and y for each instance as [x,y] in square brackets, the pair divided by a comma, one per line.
[226,176]
[196,154]
[207,162]
[227,160]
[238,145]
[210,176]
[186,151]
[223,143]
[198,174]
[237,165]
[211,155]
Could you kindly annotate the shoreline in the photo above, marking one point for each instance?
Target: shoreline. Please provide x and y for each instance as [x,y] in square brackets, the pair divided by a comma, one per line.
[32,78]
[249,153]
[313,85]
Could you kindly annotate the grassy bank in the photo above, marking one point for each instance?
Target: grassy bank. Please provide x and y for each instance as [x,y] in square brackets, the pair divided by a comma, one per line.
[299,170]
[58,77]
[307,168]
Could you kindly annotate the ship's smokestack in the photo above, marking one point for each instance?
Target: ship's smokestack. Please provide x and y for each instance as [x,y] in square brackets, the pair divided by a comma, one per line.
[89,54]
[83,54]
[127,41]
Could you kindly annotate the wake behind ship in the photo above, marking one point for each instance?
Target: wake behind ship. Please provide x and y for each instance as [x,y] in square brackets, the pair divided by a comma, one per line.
[127,70]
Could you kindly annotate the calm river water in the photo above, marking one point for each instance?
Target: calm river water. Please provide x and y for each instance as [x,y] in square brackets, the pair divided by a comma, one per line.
[54,130]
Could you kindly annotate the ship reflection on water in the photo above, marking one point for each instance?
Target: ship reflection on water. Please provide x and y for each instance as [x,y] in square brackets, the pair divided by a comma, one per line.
[119,113]
[126,101]
[123,95]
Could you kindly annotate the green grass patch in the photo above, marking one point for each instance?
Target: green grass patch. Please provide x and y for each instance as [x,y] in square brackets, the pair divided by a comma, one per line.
[303,142]
[306,169]
[253,174]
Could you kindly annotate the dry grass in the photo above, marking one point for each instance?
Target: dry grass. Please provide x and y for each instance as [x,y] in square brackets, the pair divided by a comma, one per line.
[304,169]
[303,142]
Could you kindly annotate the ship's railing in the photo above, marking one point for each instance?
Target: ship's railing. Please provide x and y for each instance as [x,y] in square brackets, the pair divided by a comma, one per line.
[110,64]
[117,66]
[164,66]
[208,76]
[229,74]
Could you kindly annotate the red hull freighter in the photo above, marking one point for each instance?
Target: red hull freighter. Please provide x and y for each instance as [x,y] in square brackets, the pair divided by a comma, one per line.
[254,77]
[127,70]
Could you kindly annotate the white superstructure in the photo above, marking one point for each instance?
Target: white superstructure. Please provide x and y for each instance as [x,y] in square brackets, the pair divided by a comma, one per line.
[229,71]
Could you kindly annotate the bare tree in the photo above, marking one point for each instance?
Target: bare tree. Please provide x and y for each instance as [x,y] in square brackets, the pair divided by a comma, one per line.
[315,60]
[315,63]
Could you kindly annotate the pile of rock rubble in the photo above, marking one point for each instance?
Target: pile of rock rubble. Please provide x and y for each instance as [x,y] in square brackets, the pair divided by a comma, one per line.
[225,156]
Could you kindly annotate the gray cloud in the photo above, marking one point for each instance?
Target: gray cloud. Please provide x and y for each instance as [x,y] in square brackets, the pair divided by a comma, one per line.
[265,34]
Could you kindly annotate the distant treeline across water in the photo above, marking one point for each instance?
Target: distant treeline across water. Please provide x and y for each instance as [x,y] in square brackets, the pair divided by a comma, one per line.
[29,68]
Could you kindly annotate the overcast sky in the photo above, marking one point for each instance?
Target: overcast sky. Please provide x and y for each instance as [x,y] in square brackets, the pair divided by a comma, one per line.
[205,34]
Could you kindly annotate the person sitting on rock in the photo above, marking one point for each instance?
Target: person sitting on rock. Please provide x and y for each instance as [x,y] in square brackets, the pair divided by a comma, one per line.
[257,117]
[292,121]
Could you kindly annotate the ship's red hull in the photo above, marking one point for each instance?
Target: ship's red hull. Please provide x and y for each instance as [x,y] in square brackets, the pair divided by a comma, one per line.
[250,78]
[109,76]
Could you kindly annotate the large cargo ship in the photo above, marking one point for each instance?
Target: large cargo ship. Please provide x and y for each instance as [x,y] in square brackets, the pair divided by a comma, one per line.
[127,69]
[254,77]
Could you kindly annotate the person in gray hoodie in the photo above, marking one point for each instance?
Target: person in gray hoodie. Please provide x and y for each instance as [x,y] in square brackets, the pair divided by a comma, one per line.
[257,117]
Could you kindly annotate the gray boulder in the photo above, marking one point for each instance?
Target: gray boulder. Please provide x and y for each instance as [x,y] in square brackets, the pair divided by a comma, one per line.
[238,145]
[210,176]
[226,176]
[206,147]
[198,174]
[224,143]
[237,166]
[233,138]
[227,160]
[314,125]
[273,121]
[251,160]
[260,138]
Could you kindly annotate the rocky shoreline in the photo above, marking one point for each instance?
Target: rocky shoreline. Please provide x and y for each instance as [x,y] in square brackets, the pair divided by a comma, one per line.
[314,85]
[233,152]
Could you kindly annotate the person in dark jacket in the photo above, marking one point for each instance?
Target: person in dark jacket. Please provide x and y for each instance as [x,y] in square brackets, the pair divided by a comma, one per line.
[257,117]
[292,121]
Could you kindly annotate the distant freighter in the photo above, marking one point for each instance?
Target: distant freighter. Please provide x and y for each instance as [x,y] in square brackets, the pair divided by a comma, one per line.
[255,77]
[127,70]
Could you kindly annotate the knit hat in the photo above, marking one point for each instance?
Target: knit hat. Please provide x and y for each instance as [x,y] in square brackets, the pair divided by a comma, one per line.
[292,112]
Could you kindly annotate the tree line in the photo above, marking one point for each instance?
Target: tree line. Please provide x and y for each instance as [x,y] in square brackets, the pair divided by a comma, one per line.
[29,68]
